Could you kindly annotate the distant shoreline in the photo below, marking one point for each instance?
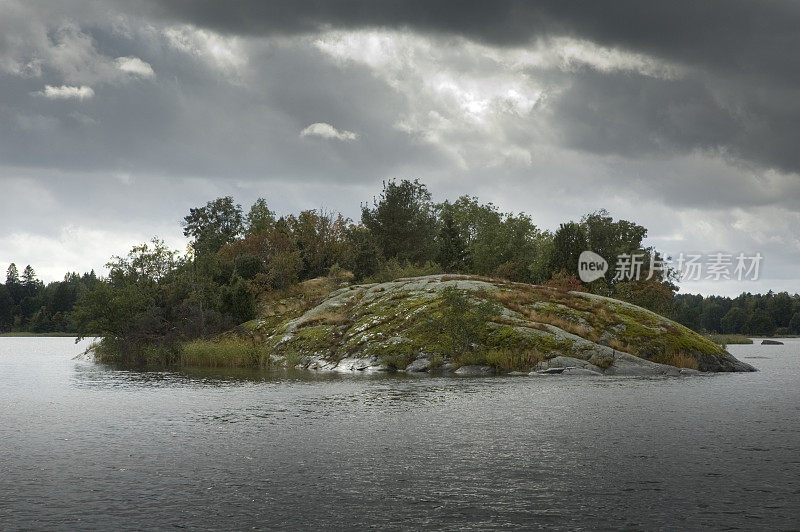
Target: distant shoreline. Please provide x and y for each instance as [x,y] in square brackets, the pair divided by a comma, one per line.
[31,334]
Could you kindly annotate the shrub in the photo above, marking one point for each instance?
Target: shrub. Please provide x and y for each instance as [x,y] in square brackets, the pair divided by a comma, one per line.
[248,265]
[394,269]
[461,324]
[237,301]
[565,282]
[284,269]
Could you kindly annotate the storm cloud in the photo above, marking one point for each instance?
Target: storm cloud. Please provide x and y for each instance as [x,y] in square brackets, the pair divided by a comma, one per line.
[116,117]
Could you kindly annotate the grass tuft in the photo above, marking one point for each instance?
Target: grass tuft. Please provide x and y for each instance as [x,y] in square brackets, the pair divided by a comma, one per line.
[677,359]
[225,353]
[513,359]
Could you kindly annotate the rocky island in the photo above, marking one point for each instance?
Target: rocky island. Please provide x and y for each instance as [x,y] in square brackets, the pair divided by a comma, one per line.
[461,324]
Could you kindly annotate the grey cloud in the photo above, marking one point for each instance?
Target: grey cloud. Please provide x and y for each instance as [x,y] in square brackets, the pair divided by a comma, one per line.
[195,120]
[637,116]
[738,46]
[731,35]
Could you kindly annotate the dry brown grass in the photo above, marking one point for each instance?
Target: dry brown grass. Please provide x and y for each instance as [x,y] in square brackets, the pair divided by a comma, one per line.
[601,361]
[334,317]
[519,323]
[619,345]
[561,323]
[489,279]
[616,344]
[319,287]
[592,334]
[514,297]
[456,277]
[678,359]
[603,314]
[517,301]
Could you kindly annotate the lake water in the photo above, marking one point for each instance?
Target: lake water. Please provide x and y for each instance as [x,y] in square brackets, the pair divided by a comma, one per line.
[88,447]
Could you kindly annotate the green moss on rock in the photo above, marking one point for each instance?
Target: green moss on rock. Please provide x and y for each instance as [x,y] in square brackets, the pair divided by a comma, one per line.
[467,320]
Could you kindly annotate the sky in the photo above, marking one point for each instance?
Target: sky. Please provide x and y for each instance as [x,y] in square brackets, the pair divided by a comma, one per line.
[116,117]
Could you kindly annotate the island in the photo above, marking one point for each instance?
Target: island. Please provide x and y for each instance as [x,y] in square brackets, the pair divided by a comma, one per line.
[416,286]
[461,324]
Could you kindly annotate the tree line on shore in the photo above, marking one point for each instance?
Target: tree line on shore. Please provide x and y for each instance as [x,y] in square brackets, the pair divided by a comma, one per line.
[28,305]
[154,298]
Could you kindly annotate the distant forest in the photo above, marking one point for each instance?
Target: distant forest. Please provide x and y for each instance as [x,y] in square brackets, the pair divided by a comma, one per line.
[28,305]
[155,296]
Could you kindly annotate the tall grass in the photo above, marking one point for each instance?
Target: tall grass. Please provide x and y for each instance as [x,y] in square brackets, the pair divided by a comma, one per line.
[513,359]
[725,339]
[677,359]
[225,353]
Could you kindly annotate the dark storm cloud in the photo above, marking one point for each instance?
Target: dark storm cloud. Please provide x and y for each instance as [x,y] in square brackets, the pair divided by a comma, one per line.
[731,35]
[737,51]
[639,117]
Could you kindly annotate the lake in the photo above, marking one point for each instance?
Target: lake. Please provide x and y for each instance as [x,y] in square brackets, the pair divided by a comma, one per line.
[83,446]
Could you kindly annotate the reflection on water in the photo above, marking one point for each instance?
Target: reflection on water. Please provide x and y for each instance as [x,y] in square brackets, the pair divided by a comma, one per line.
[89,446]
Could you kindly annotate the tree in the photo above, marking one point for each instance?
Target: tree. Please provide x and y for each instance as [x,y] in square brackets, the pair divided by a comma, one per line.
[111,311]
[650,294]
[711,317]
[364,258]
[794,323]
[450,243]
[734,321]
[65,293]
[501,244]
[780,308]
[237,301]
[403,221]
[610,239]
[284,269]
[569,241]
[260,219]
[13,284]
[218,223]
[6,309]
[686,314]
[320,238]
[248,265]
[28,277]
[41,321]
[150,261]
[761,323]
[519,245]
[12,275]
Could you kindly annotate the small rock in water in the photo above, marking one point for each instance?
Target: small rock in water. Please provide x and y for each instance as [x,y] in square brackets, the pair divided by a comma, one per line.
[551,371]
[771,342]
[474,371]
[580,371]
[419,365]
